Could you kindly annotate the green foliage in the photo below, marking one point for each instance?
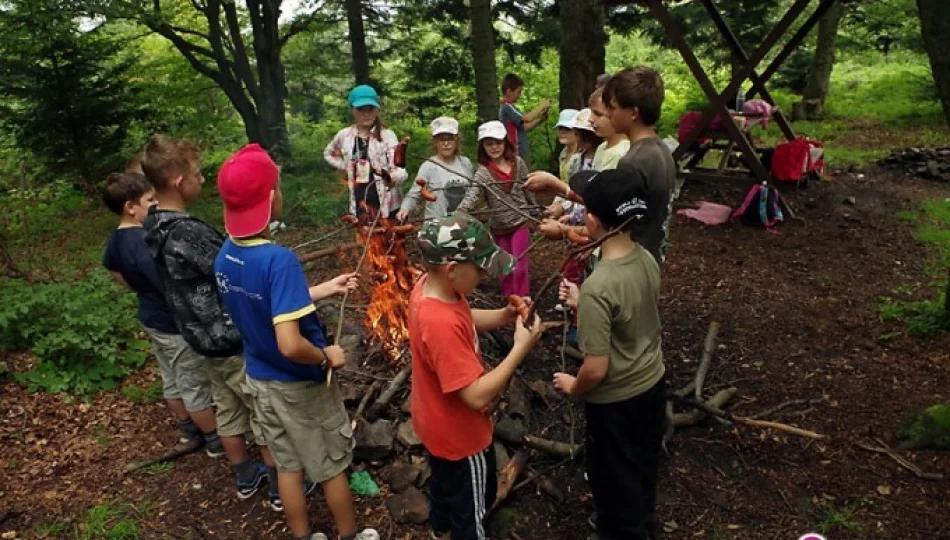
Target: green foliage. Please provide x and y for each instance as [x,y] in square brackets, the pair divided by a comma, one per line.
[64,95]
[923,318]
[158,468]
[840,519]
[930,429]
[112,520]
[143,394]
[83,333]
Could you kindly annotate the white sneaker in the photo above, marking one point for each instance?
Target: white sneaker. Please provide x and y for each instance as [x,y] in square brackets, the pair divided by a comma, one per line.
[318,536]
[367,534]
[561,307]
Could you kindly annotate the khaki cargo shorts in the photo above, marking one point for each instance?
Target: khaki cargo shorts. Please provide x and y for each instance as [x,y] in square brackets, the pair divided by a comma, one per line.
[305,425]
[185,373]
[235,412]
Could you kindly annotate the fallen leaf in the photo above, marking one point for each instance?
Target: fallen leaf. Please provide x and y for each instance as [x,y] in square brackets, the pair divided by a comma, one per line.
[884,489]
[670,526]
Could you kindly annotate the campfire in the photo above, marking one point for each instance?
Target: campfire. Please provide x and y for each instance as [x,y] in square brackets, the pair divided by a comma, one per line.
[392,278]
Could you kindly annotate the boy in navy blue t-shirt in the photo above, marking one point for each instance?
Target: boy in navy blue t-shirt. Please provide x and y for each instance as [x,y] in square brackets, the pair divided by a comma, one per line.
[288,356]
[185,381]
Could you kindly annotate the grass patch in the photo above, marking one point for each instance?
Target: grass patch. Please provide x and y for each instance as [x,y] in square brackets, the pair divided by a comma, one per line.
[923,318]
[143,394]
[158,468]
[100,435]
[112,519]
[50,529]
[842,519]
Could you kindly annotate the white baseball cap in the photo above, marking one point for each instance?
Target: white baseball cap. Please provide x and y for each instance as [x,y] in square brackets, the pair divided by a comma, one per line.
[582,121]
[492,130]
[444,124]
[566,119]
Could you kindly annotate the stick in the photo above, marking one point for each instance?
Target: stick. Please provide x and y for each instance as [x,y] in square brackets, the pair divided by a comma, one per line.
[719,413]
[884,449]
[177,451]
[321,239]
[389,393]
[787,404]
[346,294]
[363,402]
[532,246]
[507,477]
[484,186]
[709,347]
[555,448]
[564,370]
[571,254]
[313,255]
[718,401]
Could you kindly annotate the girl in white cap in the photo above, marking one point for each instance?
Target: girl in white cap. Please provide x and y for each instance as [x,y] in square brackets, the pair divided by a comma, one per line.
[446,173]
[500,176]
[587,143]
[365,154]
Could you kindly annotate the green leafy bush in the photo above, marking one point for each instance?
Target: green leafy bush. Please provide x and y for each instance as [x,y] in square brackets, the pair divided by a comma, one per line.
[83,333]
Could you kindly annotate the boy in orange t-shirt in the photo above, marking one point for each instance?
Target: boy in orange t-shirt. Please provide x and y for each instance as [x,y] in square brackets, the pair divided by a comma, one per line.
[450,389]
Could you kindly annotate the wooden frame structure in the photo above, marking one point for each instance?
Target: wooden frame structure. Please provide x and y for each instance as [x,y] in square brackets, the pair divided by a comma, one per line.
[747,71]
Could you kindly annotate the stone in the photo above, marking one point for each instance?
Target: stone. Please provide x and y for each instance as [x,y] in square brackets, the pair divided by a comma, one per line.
[406,435]
[351,393]
[501,456]
[930,429]
[373,441]
[409,507]
[933,168]
[403,476]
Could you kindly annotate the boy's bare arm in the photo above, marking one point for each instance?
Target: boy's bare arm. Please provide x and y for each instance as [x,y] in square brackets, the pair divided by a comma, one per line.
[536,114]
[487,387]
[119,279]
[486,320]
[592,373]
[298,349]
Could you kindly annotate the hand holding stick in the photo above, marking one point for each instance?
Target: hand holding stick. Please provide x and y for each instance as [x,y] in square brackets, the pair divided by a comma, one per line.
[571,254]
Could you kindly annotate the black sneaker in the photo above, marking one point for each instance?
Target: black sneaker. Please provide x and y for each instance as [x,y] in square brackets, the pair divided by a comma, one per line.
[277,505]
[245,489]
[215,450]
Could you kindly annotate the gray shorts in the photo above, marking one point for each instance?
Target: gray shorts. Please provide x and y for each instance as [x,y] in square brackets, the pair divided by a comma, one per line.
[185,373]
[305,425]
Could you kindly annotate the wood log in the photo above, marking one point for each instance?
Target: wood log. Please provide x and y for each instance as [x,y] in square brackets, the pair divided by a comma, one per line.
[389,393]
[554,448]
[363,402]
[709,347]
[697,415]
[177,451]
[507,477]
[314,255]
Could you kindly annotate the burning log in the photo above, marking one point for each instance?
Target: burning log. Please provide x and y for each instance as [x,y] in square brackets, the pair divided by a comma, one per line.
[389,393]
[507,477]
[314,255]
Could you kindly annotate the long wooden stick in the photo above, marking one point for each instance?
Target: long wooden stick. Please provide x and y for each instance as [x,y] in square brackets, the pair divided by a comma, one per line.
[346,294]
[363,402]
[884,449]
[320,239]
[177,451]
[709,347]
[507,477]
[484,186]
[719,413]
[333,250]
[570,255]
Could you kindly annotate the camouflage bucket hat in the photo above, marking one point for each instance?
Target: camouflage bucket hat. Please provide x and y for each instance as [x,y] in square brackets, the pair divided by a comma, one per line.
[462,238]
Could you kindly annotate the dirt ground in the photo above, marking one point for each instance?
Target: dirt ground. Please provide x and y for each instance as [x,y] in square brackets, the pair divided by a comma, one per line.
[799,321]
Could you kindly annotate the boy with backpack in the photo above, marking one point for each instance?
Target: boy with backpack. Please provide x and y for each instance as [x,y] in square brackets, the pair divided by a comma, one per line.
[288,354]
[451,391]
[622,377]
[184,248]
[185,381]
[634,101]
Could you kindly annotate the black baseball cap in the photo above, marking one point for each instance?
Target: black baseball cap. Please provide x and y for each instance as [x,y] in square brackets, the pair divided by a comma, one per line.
[614,195]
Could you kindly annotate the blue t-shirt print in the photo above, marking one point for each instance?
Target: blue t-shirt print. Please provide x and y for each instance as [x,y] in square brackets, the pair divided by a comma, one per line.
[263,284]
[127,254]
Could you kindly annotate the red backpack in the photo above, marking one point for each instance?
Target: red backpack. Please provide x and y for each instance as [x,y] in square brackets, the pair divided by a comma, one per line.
[794,159]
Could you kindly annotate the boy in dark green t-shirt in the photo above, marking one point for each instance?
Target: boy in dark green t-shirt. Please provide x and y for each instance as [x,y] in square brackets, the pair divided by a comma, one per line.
[622,378]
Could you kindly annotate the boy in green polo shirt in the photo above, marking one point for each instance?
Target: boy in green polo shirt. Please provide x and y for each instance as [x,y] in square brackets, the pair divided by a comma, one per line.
[622,377]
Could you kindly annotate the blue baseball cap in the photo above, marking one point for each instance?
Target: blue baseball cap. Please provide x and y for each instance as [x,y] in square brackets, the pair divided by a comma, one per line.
[362,96]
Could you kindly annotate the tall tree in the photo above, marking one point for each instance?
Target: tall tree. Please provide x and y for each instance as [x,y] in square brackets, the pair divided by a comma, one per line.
[935,29]
[251,74]
[360,55]
[812,104]
[483,56]
[582,51]
[64,90]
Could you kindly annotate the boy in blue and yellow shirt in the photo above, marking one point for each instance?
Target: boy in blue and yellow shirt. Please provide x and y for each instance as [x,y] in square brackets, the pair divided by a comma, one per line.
[288,355]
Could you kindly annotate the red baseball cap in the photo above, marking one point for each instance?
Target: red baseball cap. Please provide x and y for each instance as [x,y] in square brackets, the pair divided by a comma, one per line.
[245,182]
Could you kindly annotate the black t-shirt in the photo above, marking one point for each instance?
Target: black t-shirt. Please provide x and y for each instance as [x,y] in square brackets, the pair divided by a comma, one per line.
[127,254]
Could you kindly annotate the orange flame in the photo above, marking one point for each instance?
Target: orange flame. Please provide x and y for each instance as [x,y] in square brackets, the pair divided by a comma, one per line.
[387,316]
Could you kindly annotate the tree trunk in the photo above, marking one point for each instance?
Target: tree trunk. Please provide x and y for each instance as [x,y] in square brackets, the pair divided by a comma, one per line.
[483,56]
[812,104]
[354,19]
[935,29]
[583,39]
